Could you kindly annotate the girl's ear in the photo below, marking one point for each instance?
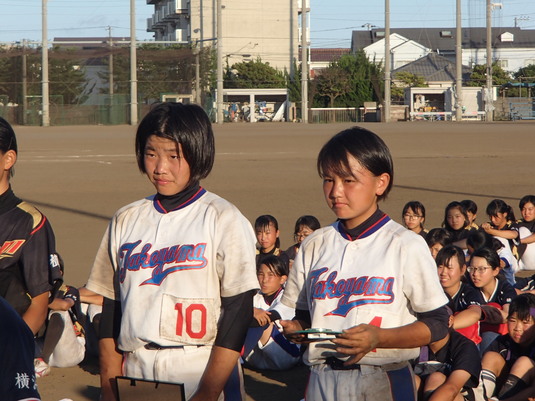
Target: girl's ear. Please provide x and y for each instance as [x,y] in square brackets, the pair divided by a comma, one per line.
[9,159]
[382,183]
[284,277]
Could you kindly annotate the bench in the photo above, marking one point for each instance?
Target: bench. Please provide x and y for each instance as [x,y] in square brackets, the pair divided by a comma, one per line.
[522,111]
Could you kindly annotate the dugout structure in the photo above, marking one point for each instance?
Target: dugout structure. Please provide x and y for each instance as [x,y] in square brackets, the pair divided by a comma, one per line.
[256,105]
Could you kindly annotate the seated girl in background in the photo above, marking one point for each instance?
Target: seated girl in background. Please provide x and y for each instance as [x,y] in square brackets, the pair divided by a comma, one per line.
[502,224]
[464,300]
[437,239]
[495,294]
[414,217]
[526,231]
[304,226]
[471,211]
[265,345]
[267,235]
[508,263]
[457,223]
[497,373]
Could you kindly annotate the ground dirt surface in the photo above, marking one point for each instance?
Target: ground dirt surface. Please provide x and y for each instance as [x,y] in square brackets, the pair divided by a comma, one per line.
[80,175]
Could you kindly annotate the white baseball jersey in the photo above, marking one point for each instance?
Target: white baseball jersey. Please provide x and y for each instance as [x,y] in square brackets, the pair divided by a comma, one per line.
[170,270]
[383,278]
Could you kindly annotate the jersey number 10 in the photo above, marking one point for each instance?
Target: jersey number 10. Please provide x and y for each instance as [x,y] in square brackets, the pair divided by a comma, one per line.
[192,319]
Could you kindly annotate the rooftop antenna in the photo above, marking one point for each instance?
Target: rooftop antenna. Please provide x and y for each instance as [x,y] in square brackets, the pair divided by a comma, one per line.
[521,18]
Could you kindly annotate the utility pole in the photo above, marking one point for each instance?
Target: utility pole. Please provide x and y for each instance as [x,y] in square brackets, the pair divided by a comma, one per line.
[489,107]
[196,53]
[219,29]
[458,65]
[388,79]
[44,68]
[110,63]
[24,83]
[133,64]
[304,62]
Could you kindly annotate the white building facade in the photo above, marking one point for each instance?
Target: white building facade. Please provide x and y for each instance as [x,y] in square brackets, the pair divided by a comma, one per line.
[250,30]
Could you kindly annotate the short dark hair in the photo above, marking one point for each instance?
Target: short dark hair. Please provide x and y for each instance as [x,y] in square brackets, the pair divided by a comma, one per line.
[523,305]
[415,206]
[275,264]
[8,140]
[185,124]
[469,205]
[496,206]
[307,220]
[264,221]
[462,209]
[526,199]
[480,239]
[450,252]
[438,236]
[365,146]
[489,255]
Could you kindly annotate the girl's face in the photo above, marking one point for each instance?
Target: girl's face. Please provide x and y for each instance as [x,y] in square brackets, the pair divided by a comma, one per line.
[471,216]
[481,273]
[455,218]
[528,212]
[450,274]
[267,237]
[521,331]
[165,165]
[304,231]
[413,220]
[499,221]
[268,280]
[435,248]
[354,198]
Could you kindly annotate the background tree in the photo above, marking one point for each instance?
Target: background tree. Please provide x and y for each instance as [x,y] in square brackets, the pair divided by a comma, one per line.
[332,83]
[254,74]
[478,77]
[365,81]
[404,80]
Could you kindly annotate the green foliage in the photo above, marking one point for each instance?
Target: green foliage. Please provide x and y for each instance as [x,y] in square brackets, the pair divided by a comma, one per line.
[361,79]
[406,80]
[294,83]
[526,74]
[478,77]
[254,74]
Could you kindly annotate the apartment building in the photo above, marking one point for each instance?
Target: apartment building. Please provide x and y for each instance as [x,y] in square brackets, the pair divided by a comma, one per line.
[268,30]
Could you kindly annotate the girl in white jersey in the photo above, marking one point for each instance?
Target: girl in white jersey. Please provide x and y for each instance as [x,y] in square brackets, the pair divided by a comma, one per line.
[366,277]
[181,264]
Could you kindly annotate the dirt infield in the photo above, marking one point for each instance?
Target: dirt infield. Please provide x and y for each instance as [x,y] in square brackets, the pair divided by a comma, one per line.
[79,176]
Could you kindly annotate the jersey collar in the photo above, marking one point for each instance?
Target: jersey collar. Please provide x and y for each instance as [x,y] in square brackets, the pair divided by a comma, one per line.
[370,226]
[157,201]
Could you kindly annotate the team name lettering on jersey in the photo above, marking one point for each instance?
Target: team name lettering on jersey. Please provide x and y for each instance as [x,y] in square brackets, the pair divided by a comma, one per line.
[369,290]
[182,257]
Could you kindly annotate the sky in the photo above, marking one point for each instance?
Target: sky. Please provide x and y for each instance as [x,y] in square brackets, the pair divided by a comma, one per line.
[331,21]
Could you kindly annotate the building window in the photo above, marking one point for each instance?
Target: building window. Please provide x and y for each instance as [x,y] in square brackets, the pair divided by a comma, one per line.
[503,63]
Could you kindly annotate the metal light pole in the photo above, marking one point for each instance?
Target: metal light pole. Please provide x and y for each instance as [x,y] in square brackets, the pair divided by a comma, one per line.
[304,63]
[219,99]
[133,64]
[44,69]
[458,65]
[489,107]
[110,63]
[388,79]
[24,83]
